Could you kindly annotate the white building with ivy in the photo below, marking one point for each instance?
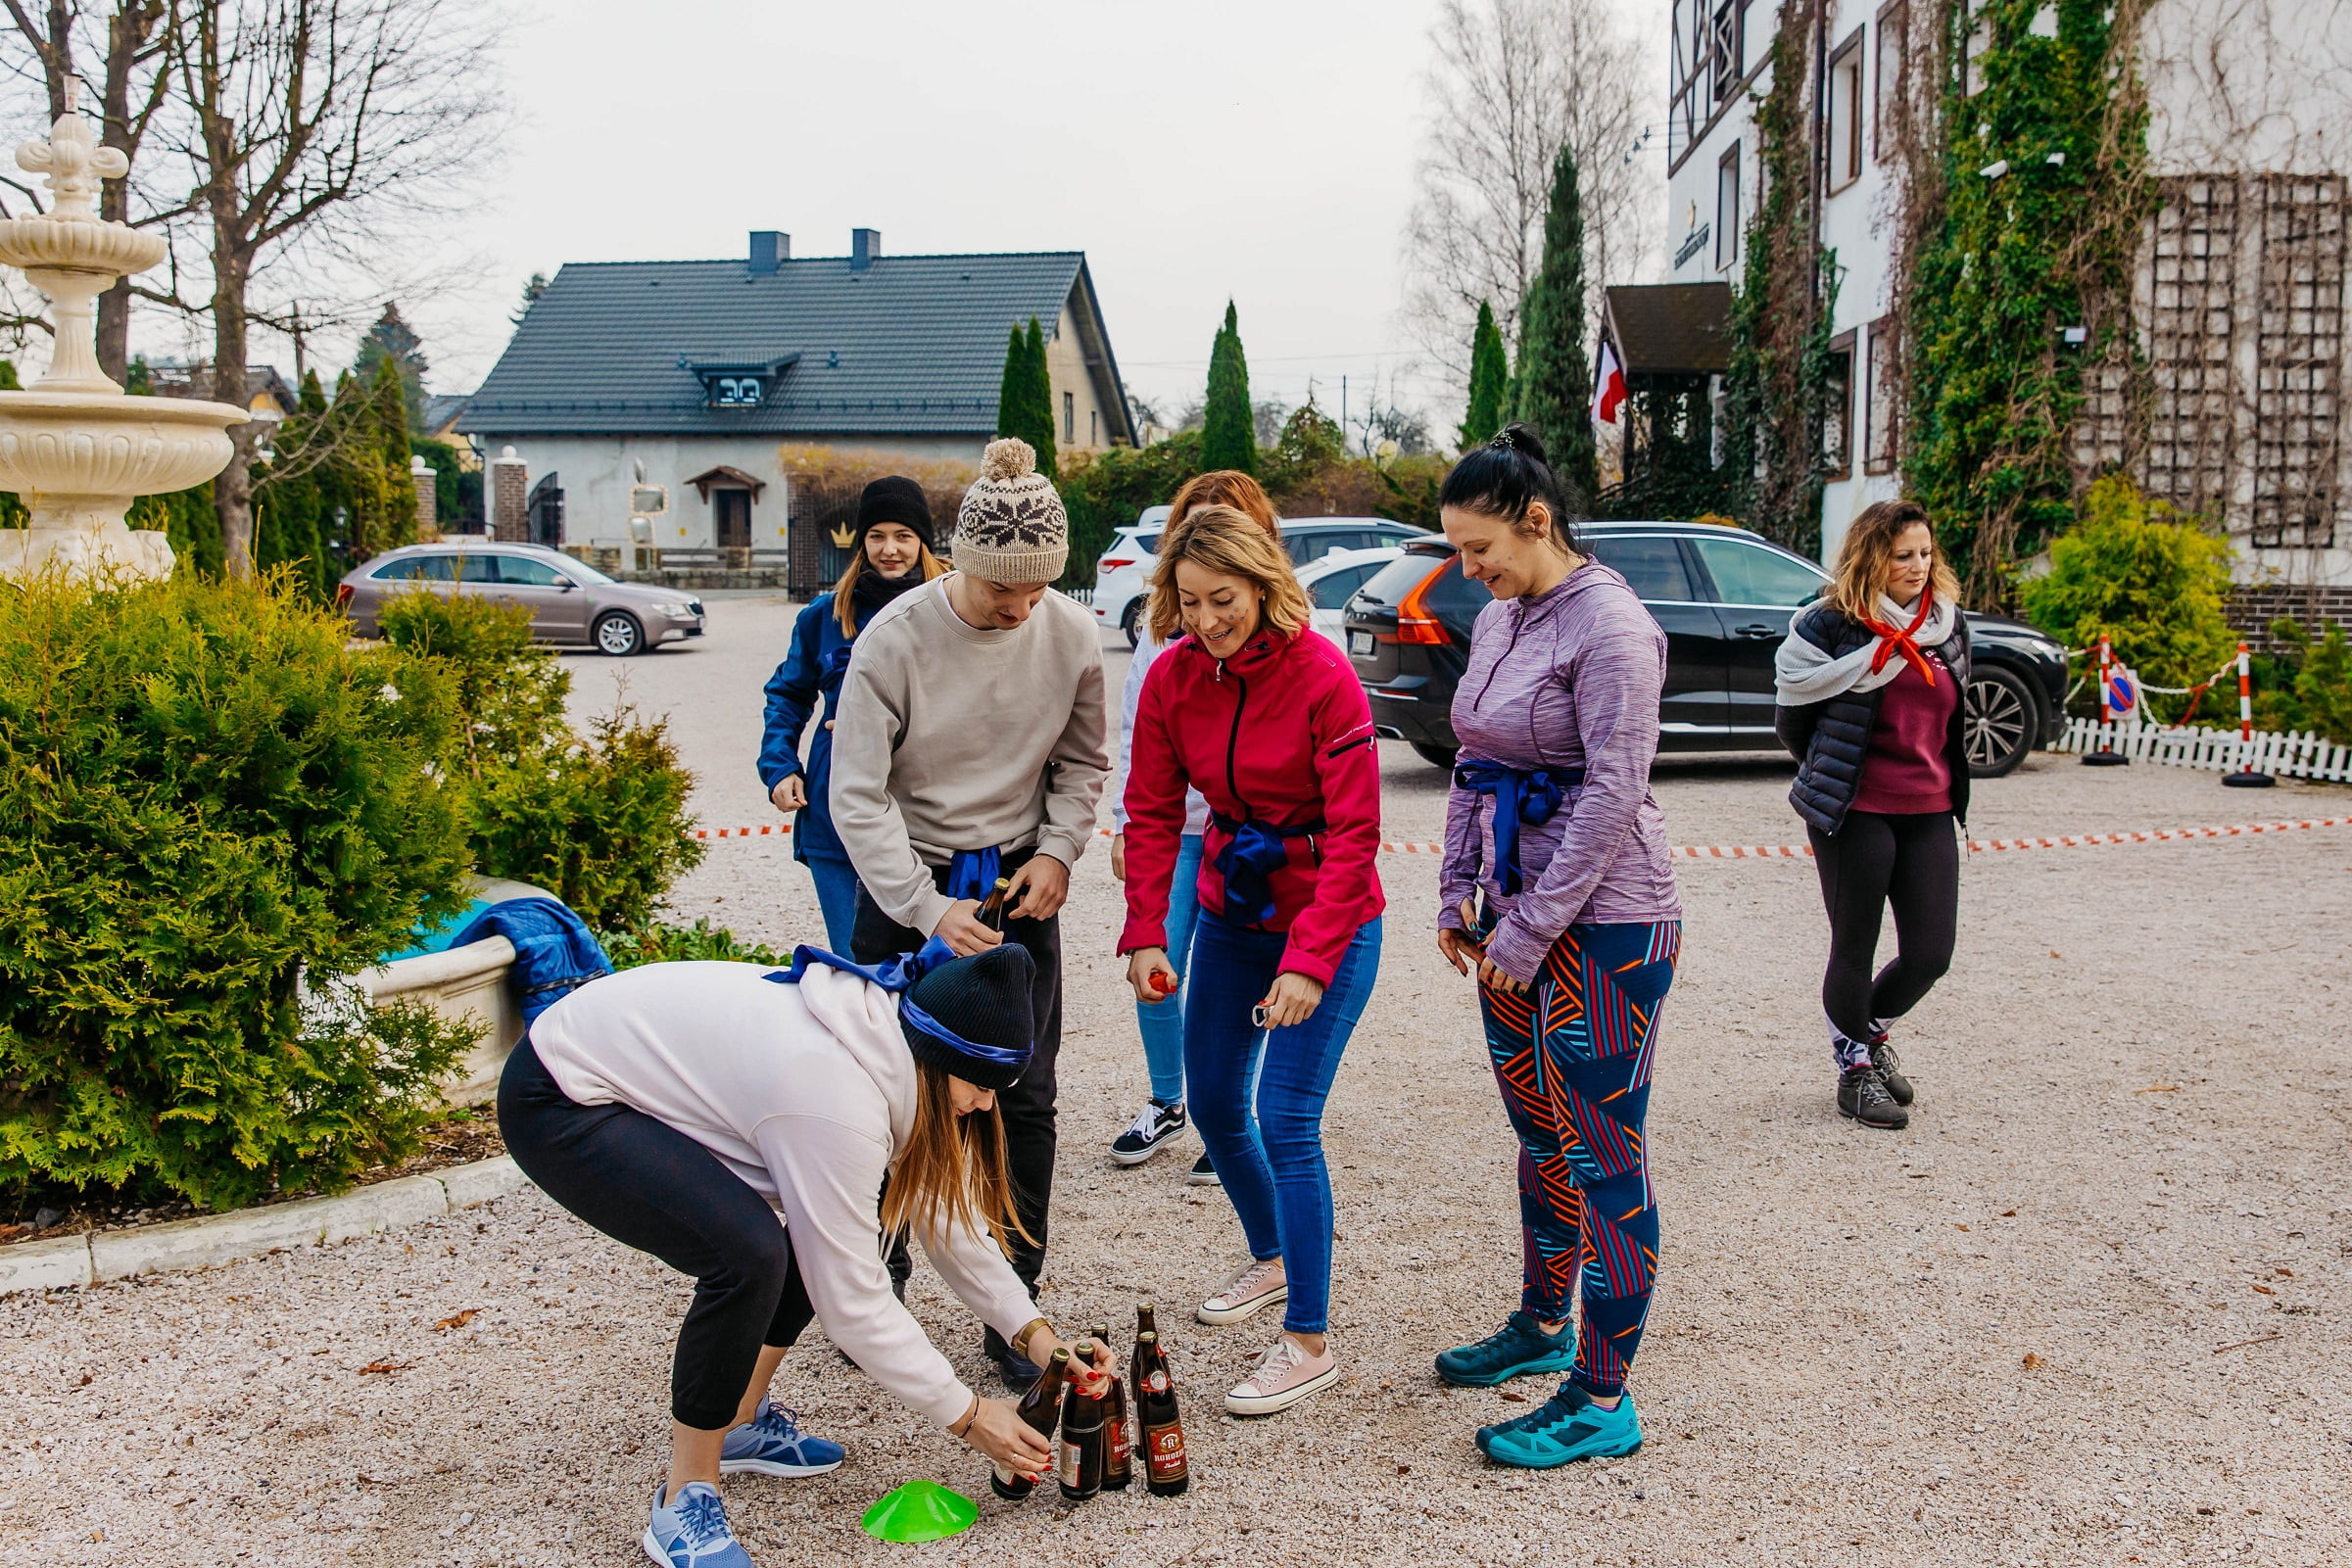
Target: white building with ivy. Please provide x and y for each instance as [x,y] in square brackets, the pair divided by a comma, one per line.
[2223,390]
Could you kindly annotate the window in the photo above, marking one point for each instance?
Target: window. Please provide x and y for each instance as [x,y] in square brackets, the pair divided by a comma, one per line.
[1149,544]
[1842,143]
[1893,79]
[735,392]
[1069,419]
[1724,40]
[478,569]
[415,569]
[1651,562]
[1748,573]
[1837,421]
[1333,589]
[1881,416]
[1727,209]
[522,571]
[1094,427]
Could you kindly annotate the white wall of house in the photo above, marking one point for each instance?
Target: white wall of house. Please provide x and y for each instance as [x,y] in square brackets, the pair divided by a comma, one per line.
[1079,421]
[598,472]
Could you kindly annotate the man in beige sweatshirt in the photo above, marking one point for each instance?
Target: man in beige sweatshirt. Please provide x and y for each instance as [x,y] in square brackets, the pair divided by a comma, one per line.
[972,740]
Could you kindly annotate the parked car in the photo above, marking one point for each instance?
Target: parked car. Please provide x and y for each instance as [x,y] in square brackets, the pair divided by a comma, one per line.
[1724,597]
[1122,574]
[570,600]
[1333,580]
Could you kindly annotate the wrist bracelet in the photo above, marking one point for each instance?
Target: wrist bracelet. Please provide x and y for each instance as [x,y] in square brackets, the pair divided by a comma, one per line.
[960,1428]
[1028,1336]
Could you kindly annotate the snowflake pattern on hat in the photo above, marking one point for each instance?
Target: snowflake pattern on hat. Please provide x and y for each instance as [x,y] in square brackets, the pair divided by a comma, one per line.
[1011,527]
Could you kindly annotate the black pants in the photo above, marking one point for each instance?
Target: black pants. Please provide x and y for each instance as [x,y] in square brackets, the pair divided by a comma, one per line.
[1910,863]
[1027,1106]
[645,1183]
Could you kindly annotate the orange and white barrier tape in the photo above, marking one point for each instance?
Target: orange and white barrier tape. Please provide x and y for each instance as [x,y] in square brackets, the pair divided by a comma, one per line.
[2146,835]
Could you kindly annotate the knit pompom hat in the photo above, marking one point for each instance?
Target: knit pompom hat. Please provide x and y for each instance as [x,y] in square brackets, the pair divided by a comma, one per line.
[1011,527]
[985,1000]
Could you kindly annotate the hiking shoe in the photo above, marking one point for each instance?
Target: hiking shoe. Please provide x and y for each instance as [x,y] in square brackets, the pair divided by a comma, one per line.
[691,1531]
[1520,1346]
[1154,1126]
[1862,1096]
[1284,1375]
[1202,1173]
[772,1443]
[1890,1070]
[1257,1287]
[1569,1427]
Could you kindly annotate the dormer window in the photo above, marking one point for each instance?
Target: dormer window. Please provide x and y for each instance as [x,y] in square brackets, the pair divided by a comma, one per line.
[740,385]
[735,392]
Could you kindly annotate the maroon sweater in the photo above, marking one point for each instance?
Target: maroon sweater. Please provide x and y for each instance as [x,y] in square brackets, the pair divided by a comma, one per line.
[1903,770]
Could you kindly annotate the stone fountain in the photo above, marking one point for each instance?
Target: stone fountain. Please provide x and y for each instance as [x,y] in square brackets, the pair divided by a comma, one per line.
[75,448]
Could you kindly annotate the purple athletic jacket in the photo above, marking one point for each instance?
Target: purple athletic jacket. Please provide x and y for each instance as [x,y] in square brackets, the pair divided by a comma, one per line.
[1565,678]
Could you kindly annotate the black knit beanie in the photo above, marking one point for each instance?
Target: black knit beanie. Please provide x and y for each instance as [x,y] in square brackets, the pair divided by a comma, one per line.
[894,500]
[984,999]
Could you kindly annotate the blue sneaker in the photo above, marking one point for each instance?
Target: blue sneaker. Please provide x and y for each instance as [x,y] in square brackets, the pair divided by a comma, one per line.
[772,1443]
[692,1531]
[1569,1427]
[1520,1346]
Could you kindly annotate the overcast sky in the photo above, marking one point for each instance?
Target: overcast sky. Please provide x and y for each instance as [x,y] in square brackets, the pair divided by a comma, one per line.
[1260,150]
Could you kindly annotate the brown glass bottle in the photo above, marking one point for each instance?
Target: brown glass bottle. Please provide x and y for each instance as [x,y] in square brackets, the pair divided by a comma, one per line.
[1163,1430]
[1085,1410]
[1040,1406]
[992,911]
[1119,1438]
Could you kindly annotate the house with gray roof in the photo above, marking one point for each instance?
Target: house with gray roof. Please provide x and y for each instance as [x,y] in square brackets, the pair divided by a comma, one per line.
[636,383]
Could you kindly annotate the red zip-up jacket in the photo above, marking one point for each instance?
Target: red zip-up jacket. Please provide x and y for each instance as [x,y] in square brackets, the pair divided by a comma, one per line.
[1279,732]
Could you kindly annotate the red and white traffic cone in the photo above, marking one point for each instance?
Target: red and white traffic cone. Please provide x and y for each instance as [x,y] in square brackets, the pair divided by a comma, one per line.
[2105,756]
[2245,777]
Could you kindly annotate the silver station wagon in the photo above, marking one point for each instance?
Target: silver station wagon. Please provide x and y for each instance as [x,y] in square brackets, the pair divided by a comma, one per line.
[570,601]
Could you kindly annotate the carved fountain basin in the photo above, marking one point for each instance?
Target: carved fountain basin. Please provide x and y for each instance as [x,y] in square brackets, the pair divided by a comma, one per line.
[79,449]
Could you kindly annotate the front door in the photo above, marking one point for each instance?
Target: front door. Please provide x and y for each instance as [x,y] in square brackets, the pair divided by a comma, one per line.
[734,516]
[1691,712]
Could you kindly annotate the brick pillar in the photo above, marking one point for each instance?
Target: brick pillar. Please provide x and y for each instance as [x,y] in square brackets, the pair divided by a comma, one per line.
[510,496]
[422,476]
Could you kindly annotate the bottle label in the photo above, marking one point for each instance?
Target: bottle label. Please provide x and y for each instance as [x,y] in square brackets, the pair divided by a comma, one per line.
[1157,1382]
[1069,1471]
[1165,1452]
[1122,1446]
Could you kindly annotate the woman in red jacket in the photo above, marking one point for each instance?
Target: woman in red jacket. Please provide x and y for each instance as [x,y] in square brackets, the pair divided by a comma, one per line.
[1265,720]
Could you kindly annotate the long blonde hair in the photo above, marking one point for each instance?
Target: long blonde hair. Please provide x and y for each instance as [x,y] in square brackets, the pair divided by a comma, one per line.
[845,611]
[1866,553]
[1231,542]
[951,1174]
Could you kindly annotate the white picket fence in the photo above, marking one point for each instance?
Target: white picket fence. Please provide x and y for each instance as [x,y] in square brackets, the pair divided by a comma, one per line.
[2291,755]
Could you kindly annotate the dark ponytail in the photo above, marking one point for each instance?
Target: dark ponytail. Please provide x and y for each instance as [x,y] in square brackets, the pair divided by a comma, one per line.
[1506,476]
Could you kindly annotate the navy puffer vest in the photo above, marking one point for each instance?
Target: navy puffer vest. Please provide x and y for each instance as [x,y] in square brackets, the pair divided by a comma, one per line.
[1828,739]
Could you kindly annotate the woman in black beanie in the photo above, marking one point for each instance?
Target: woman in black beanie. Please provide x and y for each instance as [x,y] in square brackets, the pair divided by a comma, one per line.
[892,552]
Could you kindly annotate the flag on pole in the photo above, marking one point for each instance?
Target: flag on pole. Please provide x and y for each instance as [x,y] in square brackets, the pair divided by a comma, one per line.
[1609,385]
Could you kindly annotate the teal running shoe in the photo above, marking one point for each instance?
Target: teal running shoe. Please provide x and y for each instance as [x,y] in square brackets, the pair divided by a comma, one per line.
[691,1531]
[1569,1427]
[1518,1347]
[772,1443]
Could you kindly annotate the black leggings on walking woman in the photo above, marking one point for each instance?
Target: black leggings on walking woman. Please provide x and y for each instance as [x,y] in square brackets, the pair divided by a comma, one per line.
[1910,863]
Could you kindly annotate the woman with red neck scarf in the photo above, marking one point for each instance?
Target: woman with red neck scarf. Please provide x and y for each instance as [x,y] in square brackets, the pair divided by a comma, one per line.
[1870,682]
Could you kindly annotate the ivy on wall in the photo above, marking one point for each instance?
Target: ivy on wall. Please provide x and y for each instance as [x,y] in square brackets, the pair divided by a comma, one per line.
[2026,225]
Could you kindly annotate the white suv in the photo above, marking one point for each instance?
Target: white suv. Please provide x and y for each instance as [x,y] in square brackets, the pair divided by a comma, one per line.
[1122,578]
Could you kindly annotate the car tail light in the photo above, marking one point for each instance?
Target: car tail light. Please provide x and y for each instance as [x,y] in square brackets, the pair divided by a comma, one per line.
[1414,623]
[1107,564]
[342,595]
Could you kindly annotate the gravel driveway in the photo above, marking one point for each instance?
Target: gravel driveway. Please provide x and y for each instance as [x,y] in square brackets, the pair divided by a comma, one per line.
[2092,1307]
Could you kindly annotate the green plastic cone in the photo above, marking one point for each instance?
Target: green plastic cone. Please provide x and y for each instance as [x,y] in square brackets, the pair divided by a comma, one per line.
[920,1510]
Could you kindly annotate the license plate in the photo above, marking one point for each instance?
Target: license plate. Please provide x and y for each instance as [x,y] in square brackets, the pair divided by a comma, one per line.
[1360,644]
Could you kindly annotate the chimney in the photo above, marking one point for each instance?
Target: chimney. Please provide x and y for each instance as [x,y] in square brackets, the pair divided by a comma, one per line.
[768,247]
[865,245]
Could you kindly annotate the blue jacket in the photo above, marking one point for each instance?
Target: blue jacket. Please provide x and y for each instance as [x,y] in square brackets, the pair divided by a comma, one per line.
[813,669]
[554,952]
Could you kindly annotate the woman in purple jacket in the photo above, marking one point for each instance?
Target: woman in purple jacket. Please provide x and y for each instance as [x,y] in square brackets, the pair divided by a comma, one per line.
[1556,884]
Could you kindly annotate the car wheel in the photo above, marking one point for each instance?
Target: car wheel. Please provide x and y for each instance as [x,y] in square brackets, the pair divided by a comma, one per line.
[618,634]
[1132,623]
[1436,756]
[2000,722]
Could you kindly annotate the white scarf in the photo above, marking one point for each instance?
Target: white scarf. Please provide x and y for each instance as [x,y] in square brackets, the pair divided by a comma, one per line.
[1805,674]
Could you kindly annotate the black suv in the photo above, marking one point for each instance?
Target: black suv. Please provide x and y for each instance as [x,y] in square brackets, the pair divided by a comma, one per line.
[1724,597]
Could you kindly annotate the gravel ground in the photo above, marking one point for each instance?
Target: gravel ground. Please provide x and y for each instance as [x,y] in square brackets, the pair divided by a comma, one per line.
[2091,1308]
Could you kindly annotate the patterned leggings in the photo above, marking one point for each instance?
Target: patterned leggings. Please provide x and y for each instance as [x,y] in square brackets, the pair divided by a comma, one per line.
[1572,1055]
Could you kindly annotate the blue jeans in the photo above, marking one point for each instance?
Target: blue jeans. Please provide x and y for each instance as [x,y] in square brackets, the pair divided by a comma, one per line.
[836,895]
[1162,1022]
[1271,1160]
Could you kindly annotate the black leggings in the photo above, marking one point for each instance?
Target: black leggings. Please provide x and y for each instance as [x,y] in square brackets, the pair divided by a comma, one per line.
[647,1185]
[1911,862]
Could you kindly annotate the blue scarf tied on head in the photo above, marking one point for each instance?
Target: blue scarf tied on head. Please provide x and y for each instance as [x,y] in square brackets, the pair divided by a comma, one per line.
[898,975]
[1529,795]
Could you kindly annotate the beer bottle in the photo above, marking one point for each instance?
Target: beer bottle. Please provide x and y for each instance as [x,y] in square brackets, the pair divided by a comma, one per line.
[1039,1407]
[1085,1412]
[1164,1468]
[1146,1321]
[1118,1438]
[992,911]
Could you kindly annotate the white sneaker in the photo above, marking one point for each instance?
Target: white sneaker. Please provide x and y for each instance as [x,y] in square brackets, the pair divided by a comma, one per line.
[1252,1291]
[1285,1375]
[1153,1126]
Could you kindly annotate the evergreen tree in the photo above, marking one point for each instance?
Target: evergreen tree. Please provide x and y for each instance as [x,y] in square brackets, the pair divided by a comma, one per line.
[1025,396]
[8,376]
[1490,380]
[393,339]
[393,423]
[1229,429]
[139,380]
[1553,393]
[533,287]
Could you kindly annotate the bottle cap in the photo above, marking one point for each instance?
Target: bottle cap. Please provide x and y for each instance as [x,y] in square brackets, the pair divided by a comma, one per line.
[920,1510]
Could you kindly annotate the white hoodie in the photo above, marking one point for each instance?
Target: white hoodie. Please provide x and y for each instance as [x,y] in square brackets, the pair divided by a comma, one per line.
[806,1092]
